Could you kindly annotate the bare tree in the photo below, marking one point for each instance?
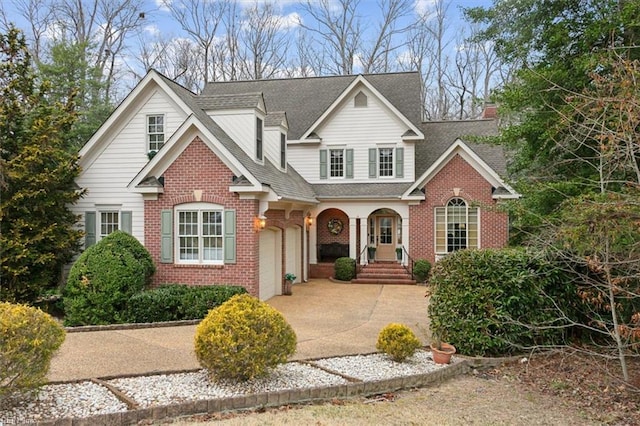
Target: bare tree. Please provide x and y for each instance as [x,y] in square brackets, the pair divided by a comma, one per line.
[265,42]
[336,27]
[377,55]
[38,15]
[201,20]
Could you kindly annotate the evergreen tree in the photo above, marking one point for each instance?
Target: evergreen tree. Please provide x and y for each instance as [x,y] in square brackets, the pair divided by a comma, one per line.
[37,235]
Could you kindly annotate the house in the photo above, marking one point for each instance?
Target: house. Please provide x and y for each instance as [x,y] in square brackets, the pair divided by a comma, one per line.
[250,180]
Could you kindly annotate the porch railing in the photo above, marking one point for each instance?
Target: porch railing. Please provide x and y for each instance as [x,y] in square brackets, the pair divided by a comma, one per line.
[359,263]
[408,265]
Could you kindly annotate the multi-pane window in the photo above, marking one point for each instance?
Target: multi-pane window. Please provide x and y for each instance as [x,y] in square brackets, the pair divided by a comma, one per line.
[259,139]
[336,162]
[456,226]
[200,236]
[155,131]
[385,162]
[109,222]
[283,151]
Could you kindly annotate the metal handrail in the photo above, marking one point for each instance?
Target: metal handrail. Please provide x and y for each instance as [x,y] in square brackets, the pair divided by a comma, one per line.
[410,262]
[360,265]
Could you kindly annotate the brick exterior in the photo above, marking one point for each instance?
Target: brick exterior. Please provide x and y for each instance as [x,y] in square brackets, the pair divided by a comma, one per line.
[473,188]
[324,236]
[198,168]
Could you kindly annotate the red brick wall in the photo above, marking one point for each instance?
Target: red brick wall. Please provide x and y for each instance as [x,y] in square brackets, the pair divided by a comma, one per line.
[326,237]
[439,190]
[197,168]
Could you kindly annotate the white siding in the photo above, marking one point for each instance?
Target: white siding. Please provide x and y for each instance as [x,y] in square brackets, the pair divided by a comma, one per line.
[272,144]
[241,127]
[123,156]
[357,128]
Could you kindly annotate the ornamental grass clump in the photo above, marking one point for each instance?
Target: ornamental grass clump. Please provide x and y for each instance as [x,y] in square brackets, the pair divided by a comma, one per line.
[242,339]
[28,340]
[397,341]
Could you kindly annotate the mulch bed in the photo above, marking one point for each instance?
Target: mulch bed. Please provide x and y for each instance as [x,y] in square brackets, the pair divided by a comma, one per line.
[583,381]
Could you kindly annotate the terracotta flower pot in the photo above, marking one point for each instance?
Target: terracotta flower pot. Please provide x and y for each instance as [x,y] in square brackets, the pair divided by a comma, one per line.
[442,355]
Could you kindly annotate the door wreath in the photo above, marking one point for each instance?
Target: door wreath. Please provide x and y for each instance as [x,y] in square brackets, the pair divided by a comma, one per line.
[335,226]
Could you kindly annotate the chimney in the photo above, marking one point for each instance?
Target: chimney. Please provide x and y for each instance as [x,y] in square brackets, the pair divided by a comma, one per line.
[490,111]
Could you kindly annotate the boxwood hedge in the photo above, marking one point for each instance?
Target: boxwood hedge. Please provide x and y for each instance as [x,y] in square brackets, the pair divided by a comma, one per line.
[493,302]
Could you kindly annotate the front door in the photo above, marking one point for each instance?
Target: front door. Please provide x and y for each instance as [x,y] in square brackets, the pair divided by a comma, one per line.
[385,230]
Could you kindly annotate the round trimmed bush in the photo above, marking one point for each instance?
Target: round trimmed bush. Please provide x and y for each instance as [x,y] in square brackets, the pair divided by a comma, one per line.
[421,269]
[120,240]
[28,340]
[397,341]
[100,284]
[243,338]
[345,269]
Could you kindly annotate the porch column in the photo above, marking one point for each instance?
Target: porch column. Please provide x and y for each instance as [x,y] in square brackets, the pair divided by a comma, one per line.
[352,238]
[405,238]
[313,240]
[364,239]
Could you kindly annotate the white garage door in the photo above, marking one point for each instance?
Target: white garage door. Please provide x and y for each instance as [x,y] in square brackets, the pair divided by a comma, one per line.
[294,249]
[270,263]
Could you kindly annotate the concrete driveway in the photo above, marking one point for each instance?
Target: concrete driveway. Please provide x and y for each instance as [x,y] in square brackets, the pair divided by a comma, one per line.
[329,319]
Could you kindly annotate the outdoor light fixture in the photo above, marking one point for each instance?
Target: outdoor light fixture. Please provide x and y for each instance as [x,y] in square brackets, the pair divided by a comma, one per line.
[259,223]
[308,221]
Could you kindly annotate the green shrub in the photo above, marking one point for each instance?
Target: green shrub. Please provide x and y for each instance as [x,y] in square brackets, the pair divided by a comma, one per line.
[397,341]
[243,338]
[120,240]
[176,302]
[484,301]
[28,340]
[421,269]
[344,269]
[100,284]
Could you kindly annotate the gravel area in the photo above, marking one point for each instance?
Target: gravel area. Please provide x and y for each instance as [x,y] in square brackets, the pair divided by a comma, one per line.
[379,367]
[85,399]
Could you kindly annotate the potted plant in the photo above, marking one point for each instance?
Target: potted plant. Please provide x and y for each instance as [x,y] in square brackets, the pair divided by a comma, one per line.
[289,278]
[371,251]
[441,352]
[399,253]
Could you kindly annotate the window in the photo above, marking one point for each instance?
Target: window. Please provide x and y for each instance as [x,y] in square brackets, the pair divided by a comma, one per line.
[155,131]
[283,151]
[109,222]
[259,139]
[336,162]
[199,236]
[385,162]
[456,226]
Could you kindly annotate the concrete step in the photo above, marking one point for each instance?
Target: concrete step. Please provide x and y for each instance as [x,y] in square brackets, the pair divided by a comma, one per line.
[370,275]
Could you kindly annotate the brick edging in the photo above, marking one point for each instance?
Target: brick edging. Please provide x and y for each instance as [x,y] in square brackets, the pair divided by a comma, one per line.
[270,399]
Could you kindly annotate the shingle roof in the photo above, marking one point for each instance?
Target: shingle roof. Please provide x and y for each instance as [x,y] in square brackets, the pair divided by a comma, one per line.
[229,101]
[360,190]
[287,185]
[306,99]
[440,135]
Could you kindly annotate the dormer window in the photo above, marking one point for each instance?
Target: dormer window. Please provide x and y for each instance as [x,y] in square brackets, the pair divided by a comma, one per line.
[258,139]
[155,132]
[283,151]
[360,100]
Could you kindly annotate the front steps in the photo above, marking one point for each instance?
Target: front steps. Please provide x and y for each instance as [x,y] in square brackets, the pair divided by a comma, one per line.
[383,272]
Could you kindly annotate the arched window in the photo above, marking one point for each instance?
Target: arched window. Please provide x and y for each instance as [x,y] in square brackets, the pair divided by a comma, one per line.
[456,226]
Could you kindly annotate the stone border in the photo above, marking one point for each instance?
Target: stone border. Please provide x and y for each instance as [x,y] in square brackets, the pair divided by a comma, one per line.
[131,326]
[275,399]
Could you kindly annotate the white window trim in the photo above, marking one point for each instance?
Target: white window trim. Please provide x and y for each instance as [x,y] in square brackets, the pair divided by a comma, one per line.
[393,161]
[259,159]
[99,212]
[148,134]
[344,161]
[199,207]
[441,254]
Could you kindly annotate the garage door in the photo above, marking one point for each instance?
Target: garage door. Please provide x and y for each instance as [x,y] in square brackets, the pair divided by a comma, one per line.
[294,248]
[270,263]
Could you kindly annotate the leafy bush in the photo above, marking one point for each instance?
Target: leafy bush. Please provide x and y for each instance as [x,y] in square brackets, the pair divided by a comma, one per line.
[421,269]
[397,341]
[344,269]
[243,338]
[28,340]
[120,240]
[490,302]
[175,302]
[100,284]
